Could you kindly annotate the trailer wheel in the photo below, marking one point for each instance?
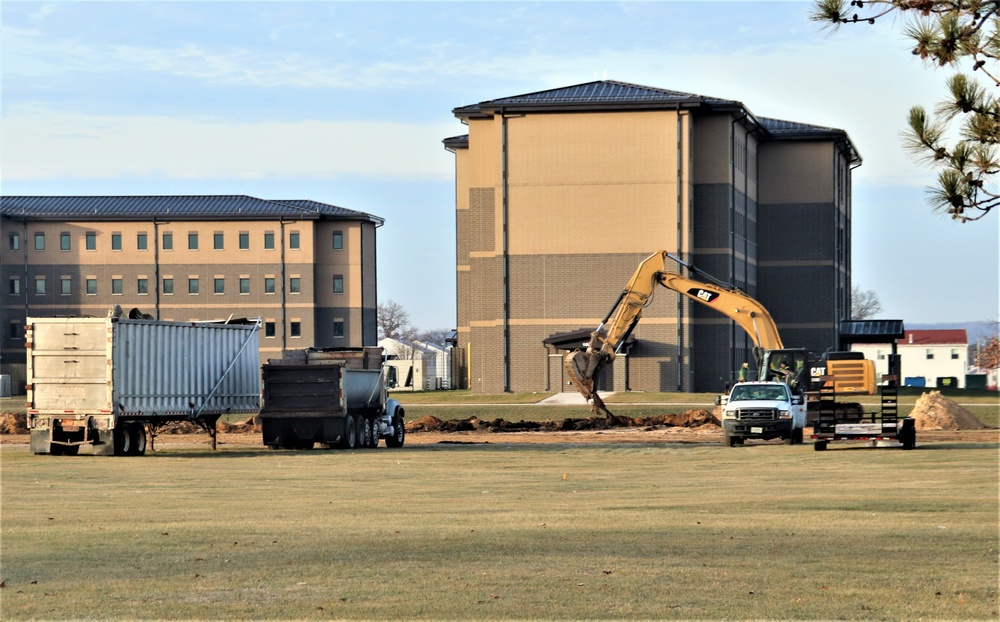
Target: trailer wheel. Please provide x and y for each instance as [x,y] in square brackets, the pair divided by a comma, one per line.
[820,445]
[908,435]
[138,433]
[123,439]
[398,434]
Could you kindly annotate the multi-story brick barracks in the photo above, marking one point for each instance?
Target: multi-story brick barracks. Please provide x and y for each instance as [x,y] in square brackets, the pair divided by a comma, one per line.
[307,269]
[561,193]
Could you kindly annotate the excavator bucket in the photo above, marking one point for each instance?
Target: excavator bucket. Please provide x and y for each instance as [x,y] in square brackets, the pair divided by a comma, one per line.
[576,365]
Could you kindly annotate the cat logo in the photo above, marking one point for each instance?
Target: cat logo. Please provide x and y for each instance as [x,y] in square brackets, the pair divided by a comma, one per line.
[703,294]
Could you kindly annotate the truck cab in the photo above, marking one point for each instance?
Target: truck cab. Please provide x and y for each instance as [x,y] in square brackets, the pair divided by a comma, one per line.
[762,410]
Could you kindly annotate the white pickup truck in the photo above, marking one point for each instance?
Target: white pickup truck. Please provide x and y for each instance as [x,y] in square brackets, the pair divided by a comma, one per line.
[763,410]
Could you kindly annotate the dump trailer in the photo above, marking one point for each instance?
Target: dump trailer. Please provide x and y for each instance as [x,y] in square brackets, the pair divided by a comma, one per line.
[336,397]
[103,383]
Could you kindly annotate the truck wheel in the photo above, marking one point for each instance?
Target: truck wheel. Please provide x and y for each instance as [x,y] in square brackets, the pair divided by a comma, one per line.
[790,439]
[376,427]
[819,445]
[138,433]
[398,434]
[364,432]
[350,440]
[123,439]
[797,436]
[728,439]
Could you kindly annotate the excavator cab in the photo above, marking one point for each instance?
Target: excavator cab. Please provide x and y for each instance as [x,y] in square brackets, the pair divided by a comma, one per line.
[788,365]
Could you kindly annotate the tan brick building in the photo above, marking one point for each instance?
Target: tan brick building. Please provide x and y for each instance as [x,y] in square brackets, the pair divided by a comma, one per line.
[307,269]
[561,193]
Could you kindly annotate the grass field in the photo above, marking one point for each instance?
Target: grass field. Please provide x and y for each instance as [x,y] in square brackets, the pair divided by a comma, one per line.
[496,531]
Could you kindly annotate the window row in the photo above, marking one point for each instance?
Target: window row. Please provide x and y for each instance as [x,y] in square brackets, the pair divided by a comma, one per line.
[167,244]
[16,329]
[142,285]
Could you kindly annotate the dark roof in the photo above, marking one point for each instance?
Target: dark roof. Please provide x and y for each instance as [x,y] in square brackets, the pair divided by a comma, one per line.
[238,207]
[602,94]
[870,331]
[576,339]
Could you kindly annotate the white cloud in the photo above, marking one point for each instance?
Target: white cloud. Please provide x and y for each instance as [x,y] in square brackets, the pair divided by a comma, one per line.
[47,144]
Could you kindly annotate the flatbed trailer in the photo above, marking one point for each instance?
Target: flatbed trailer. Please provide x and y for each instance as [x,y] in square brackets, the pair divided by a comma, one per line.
[884,426]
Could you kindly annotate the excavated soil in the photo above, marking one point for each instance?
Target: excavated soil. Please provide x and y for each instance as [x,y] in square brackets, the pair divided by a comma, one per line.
[934,411]
[687,419]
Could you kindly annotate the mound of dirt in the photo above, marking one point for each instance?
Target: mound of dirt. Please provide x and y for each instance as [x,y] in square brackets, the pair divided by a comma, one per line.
[689,419]
[934,411]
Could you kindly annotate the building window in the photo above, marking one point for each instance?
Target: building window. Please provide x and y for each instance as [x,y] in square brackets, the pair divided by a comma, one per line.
[141,242]
[930,354]
[15,330]
[116,241]
[295,329]
[65,242]
[91,286]
[218,242]
[168,285]
[244,285]
[116,287]
[192,241]
[39,285]
[954,354]
[193,286]
[244,241]
[338,284]
[91,240]
[220,285]
[269,241]
[338,240]
[14,241]
[39,241]
[269,285]
[269,329]
[15,285]
[880,355]
[66,283]
[294,285]
[293,240]
[168,241]
[338,329]
[142,286]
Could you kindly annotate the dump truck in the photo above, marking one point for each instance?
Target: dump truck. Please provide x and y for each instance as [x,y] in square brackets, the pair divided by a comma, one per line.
[334,397]
[104,383]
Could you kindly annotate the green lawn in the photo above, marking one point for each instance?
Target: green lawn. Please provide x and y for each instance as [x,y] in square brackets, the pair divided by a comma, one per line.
[500,531]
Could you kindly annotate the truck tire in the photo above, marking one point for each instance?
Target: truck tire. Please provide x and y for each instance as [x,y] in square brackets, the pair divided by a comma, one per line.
[375,429]
[350,440]
[364,432]
[790,439]
[123,439]
[138,433]
[398,434]
[797,436]
[728,439]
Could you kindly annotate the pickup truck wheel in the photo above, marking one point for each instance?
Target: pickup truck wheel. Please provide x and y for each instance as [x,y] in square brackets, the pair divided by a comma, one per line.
[797,436]
[398,434]
[728,439]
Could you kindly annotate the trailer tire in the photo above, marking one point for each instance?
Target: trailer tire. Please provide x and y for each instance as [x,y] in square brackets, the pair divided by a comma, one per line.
[908,435]
[820,445]
[123,440]
[138,433]
[398,434]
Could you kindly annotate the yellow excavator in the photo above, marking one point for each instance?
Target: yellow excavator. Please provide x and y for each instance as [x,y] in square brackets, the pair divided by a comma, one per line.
[850,373]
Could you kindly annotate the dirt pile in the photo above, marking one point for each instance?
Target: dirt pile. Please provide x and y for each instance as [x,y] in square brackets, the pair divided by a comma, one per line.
[13,423]
[688,419]
[934,411]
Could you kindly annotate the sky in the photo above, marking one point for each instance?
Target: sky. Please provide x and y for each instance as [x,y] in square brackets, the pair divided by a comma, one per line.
[347,103]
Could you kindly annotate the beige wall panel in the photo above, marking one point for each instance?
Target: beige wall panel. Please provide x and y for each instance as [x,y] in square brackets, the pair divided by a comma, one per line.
[344,262]
[592,148]
[627,218]
[796,172]
[462,164]
[712,163]
[484,153]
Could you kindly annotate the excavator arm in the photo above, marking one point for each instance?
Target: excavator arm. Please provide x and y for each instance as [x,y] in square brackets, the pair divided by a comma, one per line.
[583,366]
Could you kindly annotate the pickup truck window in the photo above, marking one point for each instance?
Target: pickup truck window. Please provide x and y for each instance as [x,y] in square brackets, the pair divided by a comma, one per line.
[745,393]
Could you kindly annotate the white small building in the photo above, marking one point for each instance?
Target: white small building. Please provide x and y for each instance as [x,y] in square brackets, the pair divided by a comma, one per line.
[419,366]
[928,358]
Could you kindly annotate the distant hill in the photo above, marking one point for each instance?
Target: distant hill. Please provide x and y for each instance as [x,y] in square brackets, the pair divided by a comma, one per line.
[976,331]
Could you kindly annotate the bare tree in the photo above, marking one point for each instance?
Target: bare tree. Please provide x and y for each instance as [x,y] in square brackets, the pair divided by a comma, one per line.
[946,32]
[435,336]
[393,321]
[864,303]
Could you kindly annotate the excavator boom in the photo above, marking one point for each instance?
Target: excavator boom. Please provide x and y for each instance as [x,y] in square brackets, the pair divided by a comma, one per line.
[583,366]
